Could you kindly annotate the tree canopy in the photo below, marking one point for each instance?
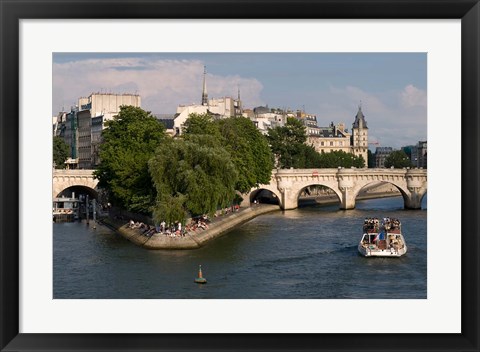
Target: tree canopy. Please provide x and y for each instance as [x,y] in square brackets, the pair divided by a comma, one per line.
[201,124]
[192,176]
[61,152]
[398,159]
[338,158]
[129,141]
[287,143]
[247,146]
[249,150]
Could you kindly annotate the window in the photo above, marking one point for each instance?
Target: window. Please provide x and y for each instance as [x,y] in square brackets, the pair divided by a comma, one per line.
[331,144]
[322,144]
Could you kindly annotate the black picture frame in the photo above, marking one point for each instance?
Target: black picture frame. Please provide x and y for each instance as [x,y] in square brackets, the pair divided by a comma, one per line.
[12,11]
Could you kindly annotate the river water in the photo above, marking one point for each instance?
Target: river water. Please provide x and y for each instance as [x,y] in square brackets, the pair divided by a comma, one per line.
[310,252]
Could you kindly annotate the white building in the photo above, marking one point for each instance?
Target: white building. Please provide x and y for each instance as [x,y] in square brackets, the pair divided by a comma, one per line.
[264,118]
[82,127]
[107,104]
[219,108]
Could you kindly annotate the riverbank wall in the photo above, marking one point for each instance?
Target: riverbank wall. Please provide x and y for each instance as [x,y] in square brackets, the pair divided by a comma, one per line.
[192,239]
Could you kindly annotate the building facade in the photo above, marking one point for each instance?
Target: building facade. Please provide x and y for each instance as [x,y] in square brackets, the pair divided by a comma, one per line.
[328,139]
[264,118]
[336,137]
[82,127]
[381,154]
[421,155]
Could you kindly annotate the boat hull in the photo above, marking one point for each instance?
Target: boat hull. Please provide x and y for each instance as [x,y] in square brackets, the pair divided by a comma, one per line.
[374,252]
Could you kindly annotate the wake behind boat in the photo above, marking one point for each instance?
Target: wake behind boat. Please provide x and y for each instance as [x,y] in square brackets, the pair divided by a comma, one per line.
[382,239]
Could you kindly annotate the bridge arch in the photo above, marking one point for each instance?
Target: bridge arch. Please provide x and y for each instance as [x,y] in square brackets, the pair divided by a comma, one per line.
[335,192]
[66,181]
[393,186]
[264,195]
[77,190]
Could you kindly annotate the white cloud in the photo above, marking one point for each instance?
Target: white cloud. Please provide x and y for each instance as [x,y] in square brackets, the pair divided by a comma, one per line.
[411,96]
[162,84]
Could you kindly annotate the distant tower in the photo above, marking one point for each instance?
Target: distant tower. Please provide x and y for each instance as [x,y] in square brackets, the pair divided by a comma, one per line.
[204,91]
[238,104]
[360,135]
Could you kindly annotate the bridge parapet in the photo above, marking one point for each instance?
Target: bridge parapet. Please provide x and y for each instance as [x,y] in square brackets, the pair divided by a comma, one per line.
[79,172]
[347,183]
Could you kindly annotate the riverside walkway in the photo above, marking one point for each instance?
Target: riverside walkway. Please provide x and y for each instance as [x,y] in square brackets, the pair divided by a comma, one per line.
[193,239]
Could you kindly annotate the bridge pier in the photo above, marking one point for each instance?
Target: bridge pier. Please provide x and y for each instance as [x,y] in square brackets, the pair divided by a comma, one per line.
[289,199]
[414,200]
[348,198]
[416,185]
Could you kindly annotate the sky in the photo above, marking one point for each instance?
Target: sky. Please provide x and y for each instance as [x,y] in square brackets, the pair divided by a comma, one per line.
[391,87]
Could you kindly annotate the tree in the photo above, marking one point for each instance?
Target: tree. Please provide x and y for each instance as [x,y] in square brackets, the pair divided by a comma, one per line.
[201,124]
[194,175]
[398,159]
[306,157]
[248,147]
[129,141]
[338,158]
[249,150]
[286,142]
[371,159]
[61,152]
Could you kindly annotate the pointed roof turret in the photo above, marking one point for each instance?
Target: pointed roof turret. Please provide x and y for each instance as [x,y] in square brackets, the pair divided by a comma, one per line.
[204,91]
[360,119]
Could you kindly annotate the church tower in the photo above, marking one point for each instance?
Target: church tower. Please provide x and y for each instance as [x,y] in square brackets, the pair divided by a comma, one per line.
[204,91]
[359,143]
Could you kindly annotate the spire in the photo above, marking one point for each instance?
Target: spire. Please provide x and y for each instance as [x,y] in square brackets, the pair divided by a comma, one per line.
[238,87]
[204,91]
[360,118]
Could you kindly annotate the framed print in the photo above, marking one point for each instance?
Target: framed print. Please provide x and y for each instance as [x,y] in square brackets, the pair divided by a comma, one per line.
[398,63]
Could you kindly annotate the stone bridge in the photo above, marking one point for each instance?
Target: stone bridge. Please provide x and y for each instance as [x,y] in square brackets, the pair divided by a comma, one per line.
[63,179]
[287,184]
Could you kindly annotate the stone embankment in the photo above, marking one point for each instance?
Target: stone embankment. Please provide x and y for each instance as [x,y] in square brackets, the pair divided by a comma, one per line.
[192,239]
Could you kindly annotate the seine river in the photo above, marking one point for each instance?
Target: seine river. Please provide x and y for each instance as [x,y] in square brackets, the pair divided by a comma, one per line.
[310,252]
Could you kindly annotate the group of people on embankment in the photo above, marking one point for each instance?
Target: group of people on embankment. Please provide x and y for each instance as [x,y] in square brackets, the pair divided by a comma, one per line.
[196,224]
[197,232]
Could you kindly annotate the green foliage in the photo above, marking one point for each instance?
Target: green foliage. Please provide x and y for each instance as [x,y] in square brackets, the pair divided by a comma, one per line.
[285,142]
[196,175]
[306,157]
[398,159]
[249,150]
[338,158]
[371,159]
[201,124]
[170,209]
[61,152]
[247,146]
[129,141]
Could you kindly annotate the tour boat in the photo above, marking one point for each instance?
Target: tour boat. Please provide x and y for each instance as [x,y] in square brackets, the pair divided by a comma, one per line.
[382,239]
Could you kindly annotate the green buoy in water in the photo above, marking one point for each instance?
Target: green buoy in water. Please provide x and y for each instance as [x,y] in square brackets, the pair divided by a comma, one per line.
[200,279]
